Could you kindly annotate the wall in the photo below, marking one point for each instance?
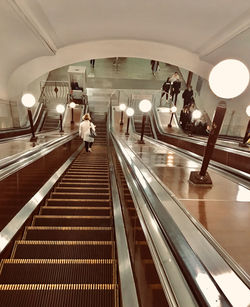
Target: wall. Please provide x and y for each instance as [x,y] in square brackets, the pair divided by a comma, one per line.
[5,115]
[34,89]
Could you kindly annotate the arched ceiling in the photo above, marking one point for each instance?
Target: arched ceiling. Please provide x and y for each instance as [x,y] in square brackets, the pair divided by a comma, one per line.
[38,36]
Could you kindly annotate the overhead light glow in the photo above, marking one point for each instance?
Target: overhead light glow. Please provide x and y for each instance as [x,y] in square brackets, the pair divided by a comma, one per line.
[28,100]
[145,105]
[130,111]
[229,78]
[122,107]
[60,108]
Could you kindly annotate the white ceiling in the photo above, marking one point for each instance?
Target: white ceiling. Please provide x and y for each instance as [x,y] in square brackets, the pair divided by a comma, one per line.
[38,35]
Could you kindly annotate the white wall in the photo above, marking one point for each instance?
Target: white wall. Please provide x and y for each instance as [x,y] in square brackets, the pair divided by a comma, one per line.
[5,115]
[14,114]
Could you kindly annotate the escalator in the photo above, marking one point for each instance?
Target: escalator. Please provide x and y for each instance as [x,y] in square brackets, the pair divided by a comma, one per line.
[67,257]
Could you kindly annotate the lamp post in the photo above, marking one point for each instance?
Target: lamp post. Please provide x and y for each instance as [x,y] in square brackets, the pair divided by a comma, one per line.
[195,115]
[247,133]
[72,106]
[144,106]
[28,100]
[60,109]
[130,112]
[173,109]
[122,107]
[224,85]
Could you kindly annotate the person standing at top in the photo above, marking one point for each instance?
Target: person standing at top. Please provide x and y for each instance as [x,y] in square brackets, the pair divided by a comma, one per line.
[154,66]
[92,63]
[174,77]
[187,96]
[84,132]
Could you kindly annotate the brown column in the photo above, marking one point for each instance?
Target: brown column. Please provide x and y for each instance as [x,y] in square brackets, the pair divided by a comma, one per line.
[189,78]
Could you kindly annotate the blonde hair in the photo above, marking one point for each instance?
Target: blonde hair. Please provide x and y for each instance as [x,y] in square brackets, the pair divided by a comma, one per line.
[86,117]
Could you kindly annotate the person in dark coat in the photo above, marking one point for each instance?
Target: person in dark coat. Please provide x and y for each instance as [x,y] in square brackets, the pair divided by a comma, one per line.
[165,88]
[187,96]
[175,90]
[154,66]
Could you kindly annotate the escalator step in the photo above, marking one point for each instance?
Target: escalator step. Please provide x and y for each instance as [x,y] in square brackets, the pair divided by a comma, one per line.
[78,202]
[90,168]
[64,250]
[74,295]
[86,176]
[55,271]
[102,211]
[96,221]
[84,184]
[80,195]
[87,173]
[81,190]
[68,233]
[76,179]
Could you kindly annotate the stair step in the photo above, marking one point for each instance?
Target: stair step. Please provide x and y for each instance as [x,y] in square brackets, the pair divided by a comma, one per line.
[86,176]
[80,195]
[84,190]
[68,233]
[64,249]
[34,295]
[84,221]
[78,202]
[101,211]
[84,184]
[76,179]
[57,271]
[89,167]
[87,172]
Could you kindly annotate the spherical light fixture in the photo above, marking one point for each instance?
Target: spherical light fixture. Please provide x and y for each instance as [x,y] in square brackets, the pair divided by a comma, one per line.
[72,105]
[196,114]
[145,105]
[173,109]
[130,112]
[229,78]
[122,107]
[28,100]
[248,110]
[60,108]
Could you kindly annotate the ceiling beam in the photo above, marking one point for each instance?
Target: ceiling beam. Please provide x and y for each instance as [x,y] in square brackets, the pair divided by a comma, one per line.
[226,34]
[23,11]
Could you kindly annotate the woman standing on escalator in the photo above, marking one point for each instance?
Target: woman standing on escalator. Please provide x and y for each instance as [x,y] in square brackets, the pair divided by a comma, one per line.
[84,132]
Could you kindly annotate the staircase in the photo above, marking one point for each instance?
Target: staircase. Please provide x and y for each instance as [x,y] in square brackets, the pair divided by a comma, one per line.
[67,257]
[51,121]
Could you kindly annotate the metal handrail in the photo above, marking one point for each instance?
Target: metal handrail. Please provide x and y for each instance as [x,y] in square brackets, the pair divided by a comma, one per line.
[16,162]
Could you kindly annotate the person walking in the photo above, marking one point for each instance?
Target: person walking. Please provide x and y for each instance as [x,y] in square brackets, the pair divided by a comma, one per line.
[84,132]
[165,89]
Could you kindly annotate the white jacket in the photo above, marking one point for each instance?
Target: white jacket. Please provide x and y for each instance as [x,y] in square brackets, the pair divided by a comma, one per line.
[84,130]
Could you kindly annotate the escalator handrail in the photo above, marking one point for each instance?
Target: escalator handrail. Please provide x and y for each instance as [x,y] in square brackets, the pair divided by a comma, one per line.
[186,255]
[18,161]
[127,282]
